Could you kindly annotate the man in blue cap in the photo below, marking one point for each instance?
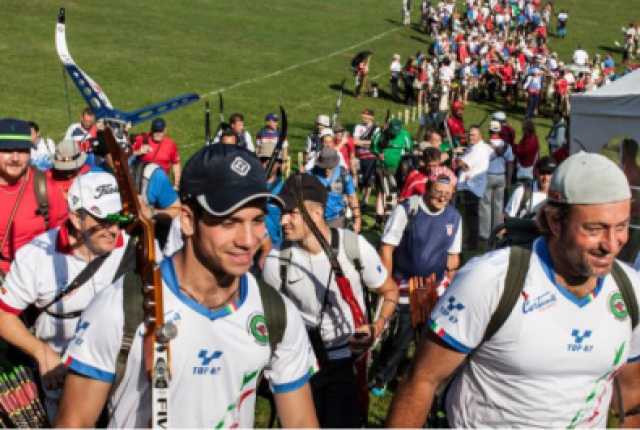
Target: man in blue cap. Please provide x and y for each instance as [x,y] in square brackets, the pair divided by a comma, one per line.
[26,213]
[156,147]
[269,133]
[222,342]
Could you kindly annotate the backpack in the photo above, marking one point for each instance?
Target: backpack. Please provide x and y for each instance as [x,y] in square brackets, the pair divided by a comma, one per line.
[142,172]
[42,197]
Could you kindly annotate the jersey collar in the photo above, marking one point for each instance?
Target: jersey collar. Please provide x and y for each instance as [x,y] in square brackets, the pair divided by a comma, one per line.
[171,279]
[542,250]
[63,244]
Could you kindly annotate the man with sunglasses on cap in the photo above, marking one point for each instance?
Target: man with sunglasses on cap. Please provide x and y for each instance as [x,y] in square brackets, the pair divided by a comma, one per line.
[90,242]
[218,352]
[309,280]
[570,329]
[423,237]
[23,215]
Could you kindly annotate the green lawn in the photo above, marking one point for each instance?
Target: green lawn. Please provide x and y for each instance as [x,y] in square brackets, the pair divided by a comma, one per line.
[258,54]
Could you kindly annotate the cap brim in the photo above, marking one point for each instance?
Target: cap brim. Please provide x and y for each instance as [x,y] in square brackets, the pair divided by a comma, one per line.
[224,204]
[16,144]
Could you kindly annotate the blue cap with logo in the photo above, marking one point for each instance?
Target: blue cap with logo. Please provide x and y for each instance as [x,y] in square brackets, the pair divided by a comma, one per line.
[223,178]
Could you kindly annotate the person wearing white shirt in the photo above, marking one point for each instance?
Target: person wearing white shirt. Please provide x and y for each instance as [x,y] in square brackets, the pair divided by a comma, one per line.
[528,198]
[396,70]
[473,165]
[580,56]
[500,168]
[42,154]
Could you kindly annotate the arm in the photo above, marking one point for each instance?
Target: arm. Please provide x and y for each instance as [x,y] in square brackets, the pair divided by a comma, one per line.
[355,207]
[177,172]
[453,263]
[13,331]
[354,168]
[82,401]
[295,408]
[629,380]
[433,363]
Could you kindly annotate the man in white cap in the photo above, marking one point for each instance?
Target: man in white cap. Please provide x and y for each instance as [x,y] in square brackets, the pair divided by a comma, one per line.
[59,272]
[498,179]
[313,146]
[570,332]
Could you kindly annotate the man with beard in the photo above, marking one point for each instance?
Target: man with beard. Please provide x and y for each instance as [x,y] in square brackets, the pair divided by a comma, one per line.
[568,335]
[22,216]
[156,147]
[59,272]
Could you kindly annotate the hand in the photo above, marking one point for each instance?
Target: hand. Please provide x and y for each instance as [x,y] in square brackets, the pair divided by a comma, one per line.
[145,149]
[357,224]
[362,339]
[52,371]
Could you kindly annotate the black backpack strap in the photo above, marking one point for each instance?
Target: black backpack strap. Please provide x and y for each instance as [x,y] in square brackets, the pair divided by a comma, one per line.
[275,314]
[519,258]
[85,274]
[628,295]
[40,190]
[128,261]
[527,195]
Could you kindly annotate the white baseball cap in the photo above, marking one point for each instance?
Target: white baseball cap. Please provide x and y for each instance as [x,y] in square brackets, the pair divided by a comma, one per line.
[573,181]
[97,193]
[323,120]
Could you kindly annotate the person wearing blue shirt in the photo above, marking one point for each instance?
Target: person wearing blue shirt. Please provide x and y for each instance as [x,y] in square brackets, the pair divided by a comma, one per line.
[338,183]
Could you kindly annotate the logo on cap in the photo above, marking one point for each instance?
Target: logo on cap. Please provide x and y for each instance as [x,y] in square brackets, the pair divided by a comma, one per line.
[95,210]
[240,166]
[102,190]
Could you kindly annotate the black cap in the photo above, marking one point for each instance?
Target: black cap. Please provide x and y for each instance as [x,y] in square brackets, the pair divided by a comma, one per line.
[546,165]
[15,134]
[223,178]
[312,191]
[158,124]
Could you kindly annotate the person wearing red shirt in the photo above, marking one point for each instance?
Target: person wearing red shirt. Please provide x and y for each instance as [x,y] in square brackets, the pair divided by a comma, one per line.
[560,93]
[68,164]
[345,145]
[509,90]
[156,147]
[455,123]
[416,183]
[526,151]
[20,217]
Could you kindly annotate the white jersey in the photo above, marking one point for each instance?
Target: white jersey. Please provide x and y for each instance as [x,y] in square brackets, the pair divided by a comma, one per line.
[476,157]
[216,357]
[42,269]
[532,206]
[553,361]
[307,278]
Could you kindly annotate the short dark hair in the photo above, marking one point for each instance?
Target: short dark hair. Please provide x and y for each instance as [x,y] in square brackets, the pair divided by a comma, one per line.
[235,117]
[87,111]
[229,132]
[431,154]
[559,212]
[629,149]
[34,126]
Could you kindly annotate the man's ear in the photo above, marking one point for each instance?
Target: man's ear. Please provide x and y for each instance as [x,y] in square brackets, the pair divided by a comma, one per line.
[187,221]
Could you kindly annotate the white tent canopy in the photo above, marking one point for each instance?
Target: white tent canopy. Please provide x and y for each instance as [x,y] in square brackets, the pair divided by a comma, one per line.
[612,110]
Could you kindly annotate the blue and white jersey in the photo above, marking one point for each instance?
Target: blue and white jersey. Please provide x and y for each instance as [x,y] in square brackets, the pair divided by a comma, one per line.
[551,364]
[216,357]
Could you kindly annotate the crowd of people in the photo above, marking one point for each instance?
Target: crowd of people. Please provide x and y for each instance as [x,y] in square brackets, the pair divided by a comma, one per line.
[540,343]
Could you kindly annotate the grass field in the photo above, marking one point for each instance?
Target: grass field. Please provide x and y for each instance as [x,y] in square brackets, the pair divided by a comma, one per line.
[257,54]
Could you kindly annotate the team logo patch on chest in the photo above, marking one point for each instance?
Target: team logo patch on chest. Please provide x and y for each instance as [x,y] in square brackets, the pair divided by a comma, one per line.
[618,307]
[257,327]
